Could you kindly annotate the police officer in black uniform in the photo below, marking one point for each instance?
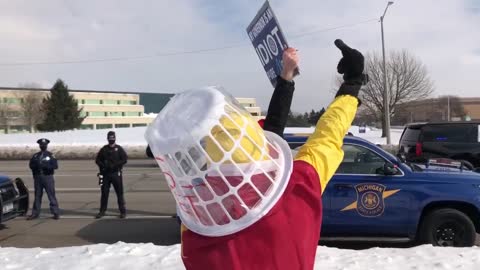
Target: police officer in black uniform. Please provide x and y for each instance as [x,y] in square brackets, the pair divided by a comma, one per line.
[43,165]
[110,160]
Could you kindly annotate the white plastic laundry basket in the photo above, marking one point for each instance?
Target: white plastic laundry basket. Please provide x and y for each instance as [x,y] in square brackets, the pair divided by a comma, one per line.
[224,171]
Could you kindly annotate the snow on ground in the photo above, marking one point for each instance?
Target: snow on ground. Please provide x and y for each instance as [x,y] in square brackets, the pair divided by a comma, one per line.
[148,256]
[375,135]
[125,136]
[135,136]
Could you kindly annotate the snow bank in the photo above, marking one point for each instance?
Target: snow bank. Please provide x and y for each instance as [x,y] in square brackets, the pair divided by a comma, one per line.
[135,136]
[72,144]
[84,144]
[125,136]
[148,256]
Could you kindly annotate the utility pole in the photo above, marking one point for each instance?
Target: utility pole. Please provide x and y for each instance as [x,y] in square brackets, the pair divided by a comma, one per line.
[386,98]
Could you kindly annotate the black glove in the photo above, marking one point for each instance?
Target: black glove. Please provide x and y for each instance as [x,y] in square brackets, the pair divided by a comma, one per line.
[351,66]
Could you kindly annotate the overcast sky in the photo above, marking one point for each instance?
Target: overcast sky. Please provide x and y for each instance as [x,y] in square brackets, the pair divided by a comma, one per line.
[444,34]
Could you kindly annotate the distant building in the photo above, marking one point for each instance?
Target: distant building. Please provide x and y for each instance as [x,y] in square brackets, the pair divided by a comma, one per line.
[438,109]
[154,103]
[472,107]
[251,105]
[101,109]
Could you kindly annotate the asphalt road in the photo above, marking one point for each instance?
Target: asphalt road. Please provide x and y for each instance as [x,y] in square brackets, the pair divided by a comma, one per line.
[150,208]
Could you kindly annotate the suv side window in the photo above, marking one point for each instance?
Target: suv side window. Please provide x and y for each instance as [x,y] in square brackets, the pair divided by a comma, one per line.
[450,133]
[360,160]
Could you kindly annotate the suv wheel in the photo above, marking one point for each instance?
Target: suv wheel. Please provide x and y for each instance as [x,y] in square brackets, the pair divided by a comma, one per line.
[447,228]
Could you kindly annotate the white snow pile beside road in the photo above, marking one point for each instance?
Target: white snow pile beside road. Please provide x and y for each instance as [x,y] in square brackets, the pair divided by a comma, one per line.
[121,256]
[135,137]
[72,144]
[372,135]
[125,136]
[84,144]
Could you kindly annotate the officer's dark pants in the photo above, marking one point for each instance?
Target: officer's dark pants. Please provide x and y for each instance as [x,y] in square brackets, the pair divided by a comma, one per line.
[46,182]
[116,180]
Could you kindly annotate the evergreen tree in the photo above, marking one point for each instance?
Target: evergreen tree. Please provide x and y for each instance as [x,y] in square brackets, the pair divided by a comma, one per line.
[296,120]
[313,116]
[61,110]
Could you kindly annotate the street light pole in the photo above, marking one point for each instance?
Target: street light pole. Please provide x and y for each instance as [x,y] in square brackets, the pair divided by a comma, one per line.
[386,103]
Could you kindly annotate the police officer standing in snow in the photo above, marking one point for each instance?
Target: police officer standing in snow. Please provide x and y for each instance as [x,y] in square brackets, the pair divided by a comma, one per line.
[110,160]
[43,164]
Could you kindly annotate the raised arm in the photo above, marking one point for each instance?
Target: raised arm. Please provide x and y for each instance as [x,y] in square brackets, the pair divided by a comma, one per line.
[323,149]
[279,107]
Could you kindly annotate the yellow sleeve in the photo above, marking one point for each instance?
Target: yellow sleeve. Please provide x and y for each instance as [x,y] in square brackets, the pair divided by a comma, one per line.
[323,149]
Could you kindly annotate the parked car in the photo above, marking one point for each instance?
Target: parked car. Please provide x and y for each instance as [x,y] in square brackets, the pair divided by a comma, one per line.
[376,196]
[13,198]
[455,140]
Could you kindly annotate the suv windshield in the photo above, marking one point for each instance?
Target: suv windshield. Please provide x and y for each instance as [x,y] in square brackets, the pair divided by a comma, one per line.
[411,134]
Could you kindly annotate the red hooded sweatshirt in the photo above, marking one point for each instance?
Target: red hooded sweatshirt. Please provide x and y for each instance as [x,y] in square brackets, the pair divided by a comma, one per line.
[287,237]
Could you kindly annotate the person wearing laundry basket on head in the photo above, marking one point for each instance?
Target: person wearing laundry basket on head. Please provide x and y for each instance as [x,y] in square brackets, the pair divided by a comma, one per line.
[244,201]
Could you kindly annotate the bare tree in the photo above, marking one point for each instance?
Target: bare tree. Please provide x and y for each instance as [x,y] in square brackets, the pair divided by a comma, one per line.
[364,117]
[29,85]
[8,116]
[3,117]
[24,110]
[32,109]
[407,80]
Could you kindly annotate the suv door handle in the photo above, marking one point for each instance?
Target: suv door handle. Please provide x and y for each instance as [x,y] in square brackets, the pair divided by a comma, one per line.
[343,186]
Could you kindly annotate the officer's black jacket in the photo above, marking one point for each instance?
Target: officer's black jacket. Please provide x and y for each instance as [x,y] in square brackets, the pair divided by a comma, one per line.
[45,165]
[111,159]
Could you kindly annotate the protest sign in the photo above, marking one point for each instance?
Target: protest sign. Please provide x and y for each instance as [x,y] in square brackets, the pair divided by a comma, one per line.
[268,41]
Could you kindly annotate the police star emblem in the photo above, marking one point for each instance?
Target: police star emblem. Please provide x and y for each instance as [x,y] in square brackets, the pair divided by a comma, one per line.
[370,199]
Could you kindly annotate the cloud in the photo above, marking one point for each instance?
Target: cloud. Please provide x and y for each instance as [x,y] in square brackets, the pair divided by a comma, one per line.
[443,34]
[14,29]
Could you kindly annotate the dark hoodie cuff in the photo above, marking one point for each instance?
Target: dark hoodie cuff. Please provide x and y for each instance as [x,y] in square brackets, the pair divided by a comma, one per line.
[279,106]
[282,82]
[351,90]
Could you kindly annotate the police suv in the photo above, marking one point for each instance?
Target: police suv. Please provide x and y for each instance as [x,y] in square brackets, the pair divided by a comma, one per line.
[13,198]
[377,196]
